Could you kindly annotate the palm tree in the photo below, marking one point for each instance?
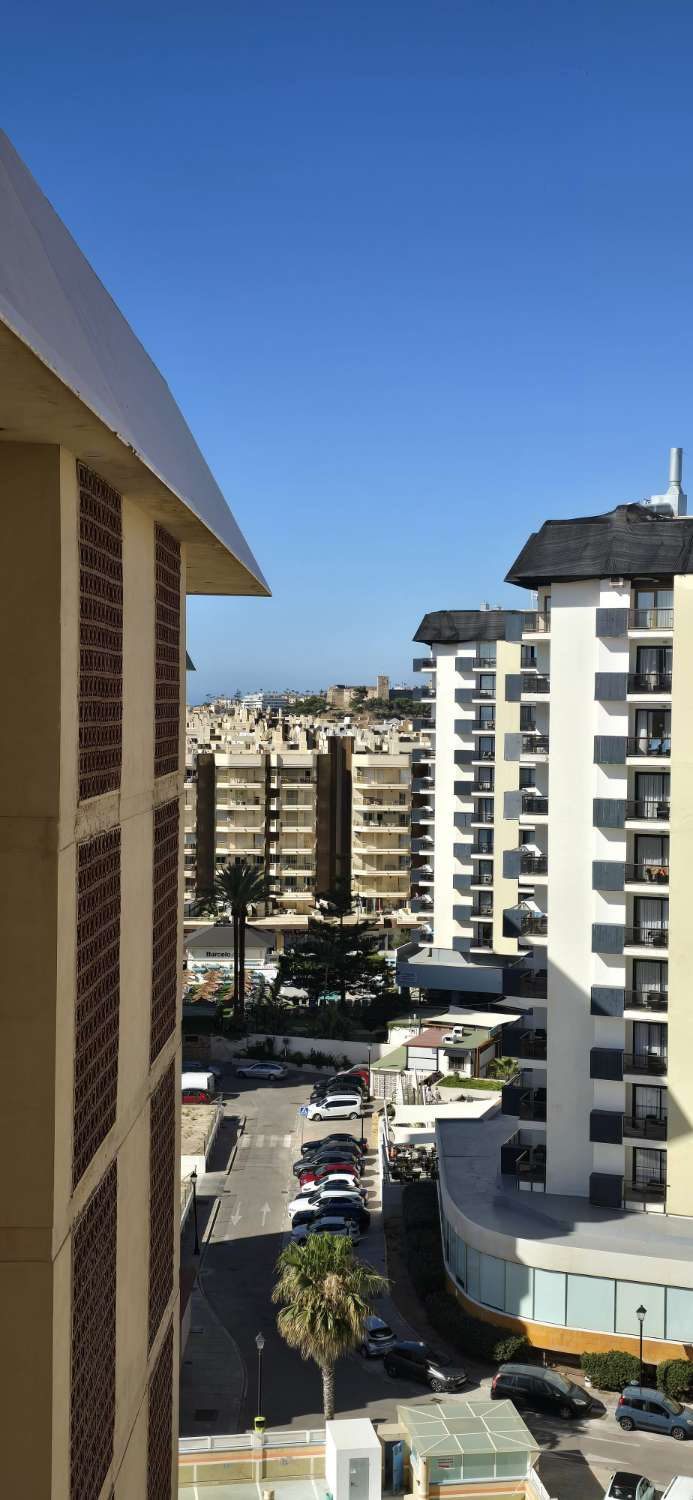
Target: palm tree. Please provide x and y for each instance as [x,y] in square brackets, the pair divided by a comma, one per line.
[238,886]
[325,1294]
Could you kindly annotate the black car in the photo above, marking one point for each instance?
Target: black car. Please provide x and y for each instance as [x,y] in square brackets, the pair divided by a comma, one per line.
[331,1204]
[347,1083]
[325,1158]
[529,1385]
[336,1137]
[415,1361]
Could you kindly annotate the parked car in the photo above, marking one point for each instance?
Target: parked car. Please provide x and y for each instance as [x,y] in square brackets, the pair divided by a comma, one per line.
[378,1338]
[346,1208]
[651,1410]
[336,1137]
[625,1486]
[330,1169]
[338,1182]
[679,1488]
[335,1107]
[321,1158]
[323,1200]
[272,1071]
[363,1070]
[329,1224]
[198,1088]
[192,1065]
[530,1385]
[342,1084]
[416,1361]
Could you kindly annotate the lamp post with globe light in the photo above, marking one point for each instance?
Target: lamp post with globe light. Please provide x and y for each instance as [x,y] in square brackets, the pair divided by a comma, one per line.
[641,1314]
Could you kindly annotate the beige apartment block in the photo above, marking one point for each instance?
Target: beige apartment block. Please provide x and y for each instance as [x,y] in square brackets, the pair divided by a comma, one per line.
[98,545]
[381,830]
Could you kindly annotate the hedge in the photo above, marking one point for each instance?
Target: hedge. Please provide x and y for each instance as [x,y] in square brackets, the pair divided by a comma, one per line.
[612,1370]
[424,1256]
[674,1377]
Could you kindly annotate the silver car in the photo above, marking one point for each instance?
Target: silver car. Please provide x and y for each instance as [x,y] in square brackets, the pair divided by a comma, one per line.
[378,1338]
[270,1070]
[623,1485]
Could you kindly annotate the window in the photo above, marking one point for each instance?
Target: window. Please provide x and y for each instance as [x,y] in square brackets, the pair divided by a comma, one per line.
[492,1280]
[549,1296]
[591,1302]
[633,1294]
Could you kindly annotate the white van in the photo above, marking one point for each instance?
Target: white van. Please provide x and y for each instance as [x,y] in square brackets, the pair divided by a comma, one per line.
[679,1488]
[335,1107]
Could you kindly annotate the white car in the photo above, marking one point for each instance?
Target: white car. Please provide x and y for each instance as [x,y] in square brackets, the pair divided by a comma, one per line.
[627,1486]
[334,1183]
[330,1224]
[334,1107]
[269,1070]
[312,1204]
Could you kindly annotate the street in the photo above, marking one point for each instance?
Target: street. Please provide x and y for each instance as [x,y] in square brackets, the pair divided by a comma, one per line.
[236,1278]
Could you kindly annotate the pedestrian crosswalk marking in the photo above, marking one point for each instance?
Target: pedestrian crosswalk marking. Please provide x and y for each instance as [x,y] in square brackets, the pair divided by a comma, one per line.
[287,1140]
[260,1140]
[273,1141]
[245,1140]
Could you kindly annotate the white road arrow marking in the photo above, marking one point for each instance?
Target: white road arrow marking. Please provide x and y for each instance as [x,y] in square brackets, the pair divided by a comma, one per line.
[265,1210]
[236,1215]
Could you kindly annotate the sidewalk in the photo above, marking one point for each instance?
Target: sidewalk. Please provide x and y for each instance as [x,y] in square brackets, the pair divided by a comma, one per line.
[213,1377]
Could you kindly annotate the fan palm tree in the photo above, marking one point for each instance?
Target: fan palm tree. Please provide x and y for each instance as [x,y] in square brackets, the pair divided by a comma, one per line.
[238,886]
[325,1294]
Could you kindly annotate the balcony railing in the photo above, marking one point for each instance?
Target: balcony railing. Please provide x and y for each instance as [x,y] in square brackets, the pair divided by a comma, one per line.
[650,745]
[485,912]
[651,1127]
[537,805]
[482,849]
[536,622]
[529,1170]
[649,682]
[487,787]
[648,874]
[485,725]
[479,692]
[534,864]
[526,984]
[485,663]
[533,683]
[532,1105]
[646,937]
[532,925]
[651,619]
[653,1064]
[651,999]
[535,744]
[646,1191]
[481,879]
[524,1044]
[648,809]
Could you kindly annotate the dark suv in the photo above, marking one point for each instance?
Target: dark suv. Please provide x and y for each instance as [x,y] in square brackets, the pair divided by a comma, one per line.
[416,1361]
[529,1385]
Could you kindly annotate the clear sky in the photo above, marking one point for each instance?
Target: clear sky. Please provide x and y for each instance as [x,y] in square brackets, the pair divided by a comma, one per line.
[417,271]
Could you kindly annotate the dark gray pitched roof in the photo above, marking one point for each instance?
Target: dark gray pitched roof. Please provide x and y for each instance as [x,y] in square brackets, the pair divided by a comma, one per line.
[628,542]
[52,300]
[449,625]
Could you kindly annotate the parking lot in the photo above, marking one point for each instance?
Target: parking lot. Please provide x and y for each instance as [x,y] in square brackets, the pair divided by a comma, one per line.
[250,1226]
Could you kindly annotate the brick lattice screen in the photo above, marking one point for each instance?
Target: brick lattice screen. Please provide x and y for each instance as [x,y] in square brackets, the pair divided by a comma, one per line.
[93,1347]
[100,635]
[165,926]
[160,1424]
[98,995]
[166,653]
[162,1185]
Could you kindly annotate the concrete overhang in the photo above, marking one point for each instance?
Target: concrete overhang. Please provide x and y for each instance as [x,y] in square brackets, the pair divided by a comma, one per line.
[73,373]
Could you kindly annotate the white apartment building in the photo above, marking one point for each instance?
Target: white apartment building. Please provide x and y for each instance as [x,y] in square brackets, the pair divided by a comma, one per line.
[461,785]
[597,1137]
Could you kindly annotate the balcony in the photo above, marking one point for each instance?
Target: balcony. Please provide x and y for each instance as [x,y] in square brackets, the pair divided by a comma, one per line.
[524,983]
[534,864]
[519,1042]
[481,850]
[649,747]
[643,1194]
[483,726]
[647,874]
[484,663]
[647,1064]
[534,684]
[651,999]
[651,619]
[649,682]
[530,1169]
[536,622]
[424,663]
[535,744]
[646,1127]
[483,788]
[538,806]
[482,879]
[648,810]
[532,926]
[646,937]
[527,1103]
[480,694]
[483,913]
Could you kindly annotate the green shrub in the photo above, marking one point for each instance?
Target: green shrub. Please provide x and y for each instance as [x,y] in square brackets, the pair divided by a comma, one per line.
[612,1370]
[674,1377]
[472,1335]
[459,1081]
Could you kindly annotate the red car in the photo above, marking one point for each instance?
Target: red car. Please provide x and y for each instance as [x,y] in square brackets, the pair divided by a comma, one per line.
[362,1070]
[329,1169]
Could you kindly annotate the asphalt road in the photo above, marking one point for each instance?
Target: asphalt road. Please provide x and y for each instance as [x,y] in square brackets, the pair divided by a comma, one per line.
[238,1274]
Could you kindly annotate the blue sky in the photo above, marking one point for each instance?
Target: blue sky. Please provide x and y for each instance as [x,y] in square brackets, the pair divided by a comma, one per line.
[418,273]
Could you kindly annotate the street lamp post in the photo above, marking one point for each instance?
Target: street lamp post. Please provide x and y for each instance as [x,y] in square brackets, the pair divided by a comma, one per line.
[259,1345]
[641,1314]
[193,1179]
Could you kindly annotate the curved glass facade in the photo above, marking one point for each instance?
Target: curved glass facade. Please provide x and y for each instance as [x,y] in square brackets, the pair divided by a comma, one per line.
[598,1304]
